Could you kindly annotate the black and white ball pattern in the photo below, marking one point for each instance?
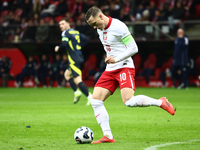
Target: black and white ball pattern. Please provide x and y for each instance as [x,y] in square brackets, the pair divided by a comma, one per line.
[83,135]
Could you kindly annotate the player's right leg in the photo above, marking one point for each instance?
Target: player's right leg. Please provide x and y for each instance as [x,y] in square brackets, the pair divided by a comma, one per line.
[105,86]
[76,73]
[101,114]
[77,96]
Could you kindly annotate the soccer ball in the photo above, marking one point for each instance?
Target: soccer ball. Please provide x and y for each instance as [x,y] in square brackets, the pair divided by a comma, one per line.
[83,135]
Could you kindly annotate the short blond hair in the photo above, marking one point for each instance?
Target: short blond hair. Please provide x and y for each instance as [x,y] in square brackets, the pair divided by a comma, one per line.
[93,11]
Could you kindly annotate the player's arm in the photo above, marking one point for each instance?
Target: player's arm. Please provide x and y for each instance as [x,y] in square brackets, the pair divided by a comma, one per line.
[84,40]
[63,44]
[185,41]
[65,39]
[127,39]
[131,48]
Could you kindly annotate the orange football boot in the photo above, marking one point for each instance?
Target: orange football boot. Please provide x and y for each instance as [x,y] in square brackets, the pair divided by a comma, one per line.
[167,106]
[104,140]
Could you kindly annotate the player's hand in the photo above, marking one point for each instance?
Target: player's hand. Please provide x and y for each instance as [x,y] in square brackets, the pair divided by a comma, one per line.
[179,72]
[110,60]
[56,48]
[61,72]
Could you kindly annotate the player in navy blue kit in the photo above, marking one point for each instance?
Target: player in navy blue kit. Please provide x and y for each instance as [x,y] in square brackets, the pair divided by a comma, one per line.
[5,66]
[179,67]
[72,42]
[44,70]
[28,70]
[55,71]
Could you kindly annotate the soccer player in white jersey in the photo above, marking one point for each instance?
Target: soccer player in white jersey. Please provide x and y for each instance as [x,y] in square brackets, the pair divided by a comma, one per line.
[120,71]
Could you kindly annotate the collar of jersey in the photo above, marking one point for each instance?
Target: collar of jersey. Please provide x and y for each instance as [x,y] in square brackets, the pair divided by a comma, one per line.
[109,22]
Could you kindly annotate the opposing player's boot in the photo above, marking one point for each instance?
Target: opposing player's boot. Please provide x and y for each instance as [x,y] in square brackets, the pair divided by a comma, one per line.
[37,81]
[19,84]
[180,86]
[88,99]
[104,140]
[167,106]
[77,96]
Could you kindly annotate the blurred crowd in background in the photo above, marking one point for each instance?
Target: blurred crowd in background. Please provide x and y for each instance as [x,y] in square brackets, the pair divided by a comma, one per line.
[36,20]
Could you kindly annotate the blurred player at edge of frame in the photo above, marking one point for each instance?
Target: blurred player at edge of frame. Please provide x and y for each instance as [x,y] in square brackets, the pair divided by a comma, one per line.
[120,71]
[72,42]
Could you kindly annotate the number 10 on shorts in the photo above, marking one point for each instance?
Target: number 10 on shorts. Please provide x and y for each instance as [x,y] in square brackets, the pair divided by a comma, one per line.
[122,77]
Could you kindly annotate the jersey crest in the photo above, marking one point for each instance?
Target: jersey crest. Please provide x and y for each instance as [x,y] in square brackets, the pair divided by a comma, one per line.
[104,36]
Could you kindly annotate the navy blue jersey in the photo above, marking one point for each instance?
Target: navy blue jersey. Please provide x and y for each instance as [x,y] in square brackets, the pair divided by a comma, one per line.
[64,65]
[5,65]
[72,42]
[56,66]
[181,51]
[30,65]
[45,66]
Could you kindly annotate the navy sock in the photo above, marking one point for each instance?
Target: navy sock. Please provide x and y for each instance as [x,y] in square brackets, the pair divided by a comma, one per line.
[72,84]
[83,88]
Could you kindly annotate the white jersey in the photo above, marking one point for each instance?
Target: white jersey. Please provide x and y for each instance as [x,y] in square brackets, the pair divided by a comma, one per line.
[111,38]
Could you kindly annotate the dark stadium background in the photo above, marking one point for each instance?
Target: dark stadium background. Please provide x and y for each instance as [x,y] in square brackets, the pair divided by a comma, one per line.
[148,32]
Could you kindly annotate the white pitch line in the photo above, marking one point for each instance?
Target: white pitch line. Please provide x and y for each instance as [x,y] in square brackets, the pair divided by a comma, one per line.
[166,144]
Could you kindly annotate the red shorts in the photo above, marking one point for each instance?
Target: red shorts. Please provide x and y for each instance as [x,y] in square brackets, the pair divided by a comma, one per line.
[124,77]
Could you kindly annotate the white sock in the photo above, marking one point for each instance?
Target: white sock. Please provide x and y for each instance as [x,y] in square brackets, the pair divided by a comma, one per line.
[142,100]
[75,92]
[102,117]
[89,96]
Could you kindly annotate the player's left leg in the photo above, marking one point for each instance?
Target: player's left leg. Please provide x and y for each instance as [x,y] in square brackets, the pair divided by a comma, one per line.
[143,101]
[127,86]
[77,75]
[70,79]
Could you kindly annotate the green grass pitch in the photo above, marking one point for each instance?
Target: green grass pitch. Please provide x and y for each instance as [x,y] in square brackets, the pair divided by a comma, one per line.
[53,119]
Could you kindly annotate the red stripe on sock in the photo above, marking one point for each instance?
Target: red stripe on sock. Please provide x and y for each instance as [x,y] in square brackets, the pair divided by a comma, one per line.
[97,115]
